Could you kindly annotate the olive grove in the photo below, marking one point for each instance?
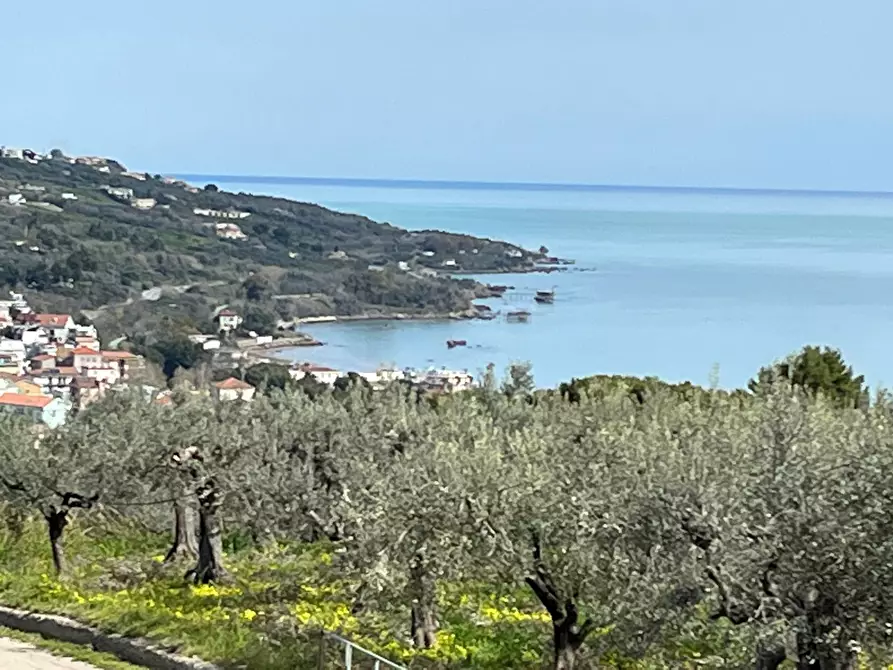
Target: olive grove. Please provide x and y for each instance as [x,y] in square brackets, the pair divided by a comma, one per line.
[624,519]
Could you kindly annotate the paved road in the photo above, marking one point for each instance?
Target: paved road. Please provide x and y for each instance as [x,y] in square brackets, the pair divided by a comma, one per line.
[19,656]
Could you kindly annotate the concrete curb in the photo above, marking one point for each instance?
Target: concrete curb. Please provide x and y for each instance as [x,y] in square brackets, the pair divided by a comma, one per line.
[133,650]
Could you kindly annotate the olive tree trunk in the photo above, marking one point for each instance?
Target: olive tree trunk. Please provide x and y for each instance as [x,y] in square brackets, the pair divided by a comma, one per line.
[210,541]
[424,624]
[185,544]
[57,520]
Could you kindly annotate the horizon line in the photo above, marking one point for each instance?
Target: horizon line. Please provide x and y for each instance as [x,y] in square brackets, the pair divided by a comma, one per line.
[467,185]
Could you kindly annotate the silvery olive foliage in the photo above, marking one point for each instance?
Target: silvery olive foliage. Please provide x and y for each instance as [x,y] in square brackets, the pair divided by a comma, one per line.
[625,519]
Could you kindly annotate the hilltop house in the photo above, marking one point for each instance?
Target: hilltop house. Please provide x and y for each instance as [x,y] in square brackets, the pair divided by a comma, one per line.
[220,213]
[119,193]
[228,320]
[233,389]
[321,373]
[143,203]
[38,408]
[55,326]
[229,231]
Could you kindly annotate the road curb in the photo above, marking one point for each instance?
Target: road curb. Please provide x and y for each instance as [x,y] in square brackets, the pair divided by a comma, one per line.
[133,650]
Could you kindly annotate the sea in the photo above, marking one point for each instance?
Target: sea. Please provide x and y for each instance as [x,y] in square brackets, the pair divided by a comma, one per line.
[681,284]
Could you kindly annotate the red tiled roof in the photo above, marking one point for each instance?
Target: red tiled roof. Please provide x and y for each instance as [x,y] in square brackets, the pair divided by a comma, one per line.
[233,384]
[85,351]
[317,368]
[52,320]
[117,355]
[21,400]
[44,357]
[226,312]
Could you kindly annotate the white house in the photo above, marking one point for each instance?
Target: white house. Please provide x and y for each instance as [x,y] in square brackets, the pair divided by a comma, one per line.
[143,203]
[229,231]
[227,320]
[7,152]
[16,199]
[220,213]
[321,373]
[57,326]
[69,196]
[233,389]
[38,408]
[119,192]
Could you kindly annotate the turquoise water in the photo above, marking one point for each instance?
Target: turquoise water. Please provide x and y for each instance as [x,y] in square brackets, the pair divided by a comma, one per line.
[679,282]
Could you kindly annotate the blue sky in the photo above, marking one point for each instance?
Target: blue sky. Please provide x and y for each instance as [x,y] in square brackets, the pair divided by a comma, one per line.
[755,93]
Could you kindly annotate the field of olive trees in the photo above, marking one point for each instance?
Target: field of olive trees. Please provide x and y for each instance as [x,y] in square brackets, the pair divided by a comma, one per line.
[493,529]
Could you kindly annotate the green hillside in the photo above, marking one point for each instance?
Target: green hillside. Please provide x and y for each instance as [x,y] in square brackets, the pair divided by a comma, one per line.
[101,252]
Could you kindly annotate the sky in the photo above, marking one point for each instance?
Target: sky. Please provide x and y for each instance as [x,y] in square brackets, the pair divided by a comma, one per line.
[733,93]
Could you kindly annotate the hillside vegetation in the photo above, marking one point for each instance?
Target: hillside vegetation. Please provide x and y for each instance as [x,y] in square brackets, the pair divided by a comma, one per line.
[630,526]
[100,253]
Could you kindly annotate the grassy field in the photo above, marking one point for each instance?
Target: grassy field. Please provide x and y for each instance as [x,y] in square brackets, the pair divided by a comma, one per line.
[271,611]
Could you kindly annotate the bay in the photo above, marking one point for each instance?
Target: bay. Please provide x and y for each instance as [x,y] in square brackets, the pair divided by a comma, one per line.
[677,285]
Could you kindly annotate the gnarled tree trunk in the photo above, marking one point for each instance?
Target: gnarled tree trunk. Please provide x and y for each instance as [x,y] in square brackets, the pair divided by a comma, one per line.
[210,541]
[57,520]
[424,622]
[185,544]
[568,635]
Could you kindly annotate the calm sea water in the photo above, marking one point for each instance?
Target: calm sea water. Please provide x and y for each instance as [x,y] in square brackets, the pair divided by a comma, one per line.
[669,284]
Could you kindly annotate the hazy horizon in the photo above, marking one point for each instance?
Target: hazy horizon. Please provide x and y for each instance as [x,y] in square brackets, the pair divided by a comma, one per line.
[694,92]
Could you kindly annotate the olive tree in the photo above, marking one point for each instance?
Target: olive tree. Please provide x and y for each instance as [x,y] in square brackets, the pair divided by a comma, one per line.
[788,508]
[88,462]
[573,501]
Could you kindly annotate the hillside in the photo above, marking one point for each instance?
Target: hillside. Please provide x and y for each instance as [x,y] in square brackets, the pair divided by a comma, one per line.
[86,235]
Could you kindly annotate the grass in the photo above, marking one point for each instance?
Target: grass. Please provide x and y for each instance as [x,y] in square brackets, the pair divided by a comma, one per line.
[269,614]
[76,652]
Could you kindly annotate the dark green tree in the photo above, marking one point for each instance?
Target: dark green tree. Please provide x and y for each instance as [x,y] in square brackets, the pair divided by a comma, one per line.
[818,371]
[177,352]
[261,320]
[269,376]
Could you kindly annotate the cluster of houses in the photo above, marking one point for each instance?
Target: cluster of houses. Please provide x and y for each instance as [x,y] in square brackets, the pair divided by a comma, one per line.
[50,365]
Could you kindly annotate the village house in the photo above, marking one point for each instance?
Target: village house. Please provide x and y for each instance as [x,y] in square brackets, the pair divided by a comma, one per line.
[10,364]
[233,389]
[320,373]
[16,199]
[54,381]
[9,152]
[69,196]
[44,409]
[83,358]
[56,327]
[227,320]
[143,203]
[86,341]
[13,348]
[221,214]
[42,362]
[124,361]
[229,231]
[28,387]
[141,176]
[119,193]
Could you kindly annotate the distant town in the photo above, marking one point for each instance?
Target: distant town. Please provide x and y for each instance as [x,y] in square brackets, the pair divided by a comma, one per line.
[51,366]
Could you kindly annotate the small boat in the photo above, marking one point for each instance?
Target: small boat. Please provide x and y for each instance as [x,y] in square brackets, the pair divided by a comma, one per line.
[517,315]
[545,297]
[451,344]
